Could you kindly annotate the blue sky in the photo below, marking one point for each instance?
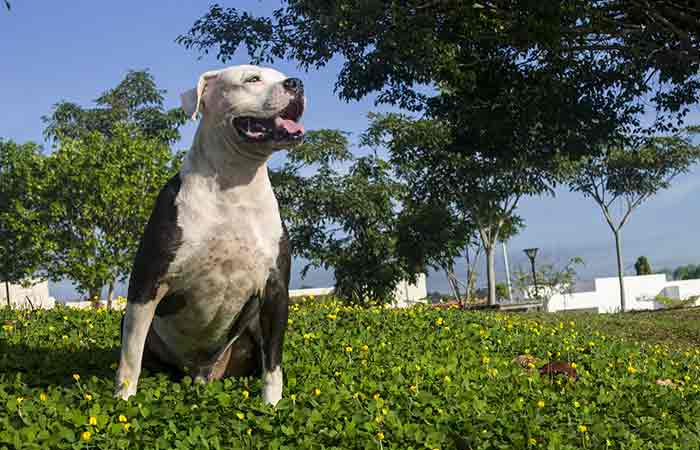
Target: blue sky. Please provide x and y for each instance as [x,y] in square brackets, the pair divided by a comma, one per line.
[74,50]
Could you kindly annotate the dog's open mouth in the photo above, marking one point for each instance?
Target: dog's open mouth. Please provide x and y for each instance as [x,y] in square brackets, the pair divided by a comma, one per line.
[283,127]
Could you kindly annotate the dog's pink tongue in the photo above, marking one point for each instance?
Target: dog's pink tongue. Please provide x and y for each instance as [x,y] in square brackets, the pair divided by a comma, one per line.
[291,126]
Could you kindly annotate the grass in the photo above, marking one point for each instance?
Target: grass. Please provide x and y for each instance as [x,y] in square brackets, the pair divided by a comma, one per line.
[372,378]
[676,328]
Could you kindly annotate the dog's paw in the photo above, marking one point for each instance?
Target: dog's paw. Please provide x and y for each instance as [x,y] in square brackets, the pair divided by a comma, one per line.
[125,390]
[272,387]
[272,396]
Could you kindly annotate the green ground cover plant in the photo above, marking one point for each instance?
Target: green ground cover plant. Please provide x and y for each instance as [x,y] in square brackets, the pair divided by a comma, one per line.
[418,378]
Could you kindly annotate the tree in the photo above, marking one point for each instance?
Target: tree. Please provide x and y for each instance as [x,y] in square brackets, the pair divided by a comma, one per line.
[627,176]
[96,219]
[345,220]
[477,187]
[687,272]
[642,266]
[23,240]
[136,101]
[589,62]
[99,195]
[551,281]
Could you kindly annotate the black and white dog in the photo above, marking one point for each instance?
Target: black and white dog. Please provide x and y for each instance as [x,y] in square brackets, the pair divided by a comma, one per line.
[209,286]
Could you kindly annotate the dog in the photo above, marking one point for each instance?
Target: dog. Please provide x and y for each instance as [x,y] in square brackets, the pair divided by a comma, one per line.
[208,293]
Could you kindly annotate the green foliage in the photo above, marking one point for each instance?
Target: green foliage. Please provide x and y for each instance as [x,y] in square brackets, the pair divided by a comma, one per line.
[687,272]
[344,221]
[136,101]
[501,292]
[23,241]
[109,163]
[416,378]
[100,192]
[570,74]
[642,266]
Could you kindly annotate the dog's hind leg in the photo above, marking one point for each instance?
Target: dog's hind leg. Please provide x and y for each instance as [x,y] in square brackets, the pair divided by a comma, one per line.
[135,326]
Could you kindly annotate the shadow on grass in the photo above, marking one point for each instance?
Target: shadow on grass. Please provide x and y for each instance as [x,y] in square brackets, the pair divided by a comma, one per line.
[43,366]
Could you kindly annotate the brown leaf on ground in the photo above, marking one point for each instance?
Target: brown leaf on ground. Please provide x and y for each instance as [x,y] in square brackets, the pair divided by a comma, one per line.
[559,368]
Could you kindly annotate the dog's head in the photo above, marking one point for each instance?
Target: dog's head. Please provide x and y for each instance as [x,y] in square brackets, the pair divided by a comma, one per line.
[257,106]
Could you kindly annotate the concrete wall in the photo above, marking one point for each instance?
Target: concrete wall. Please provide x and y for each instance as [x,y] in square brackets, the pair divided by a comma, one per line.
[38,295]
[641,293]
[405,293]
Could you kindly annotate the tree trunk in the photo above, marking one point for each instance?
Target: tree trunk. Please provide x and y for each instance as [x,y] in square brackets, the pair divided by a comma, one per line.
[7,292]
[94,293]
[110,293]
[491,271]
[620,270]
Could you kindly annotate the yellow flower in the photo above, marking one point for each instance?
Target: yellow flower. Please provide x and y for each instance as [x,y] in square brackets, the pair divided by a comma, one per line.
[293,397]
[249,431]
[413,388]
[240,415]
[317,392]
[582,428]
[88,397]
[540,404]
[92,420]
[631,370]
[439,321]
[532,441]
[20,399]
[86,435]
[76,376]
[126,427]
[43,397]
[573,365]
[380,436]
[122,418]
[246,394]
[485,359]
[331,316]
[364,348]
[376,396]
[348,349]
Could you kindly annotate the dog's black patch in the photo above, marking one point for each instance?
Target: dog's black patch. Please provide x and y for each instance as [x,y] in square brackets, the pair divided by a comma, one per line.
[158,245]
[275,305]
[171,304]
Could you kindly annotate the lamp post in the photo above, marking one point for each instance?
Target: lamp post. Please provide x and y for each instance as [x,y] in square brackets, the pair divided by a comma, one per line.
[532,254]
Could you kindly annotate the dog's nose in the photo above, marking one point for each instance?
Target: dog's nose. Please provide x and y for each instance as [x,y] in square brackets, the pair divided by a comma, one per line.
[294,85]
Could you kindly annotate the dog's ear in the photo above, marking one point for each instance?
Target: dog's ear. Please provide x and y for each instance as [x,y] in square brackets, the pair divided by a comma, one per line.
[193,100]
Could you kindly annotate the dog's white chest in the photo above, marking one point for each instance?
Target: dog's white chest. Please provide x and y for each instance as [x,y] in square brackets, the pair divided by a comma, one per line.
[229,247]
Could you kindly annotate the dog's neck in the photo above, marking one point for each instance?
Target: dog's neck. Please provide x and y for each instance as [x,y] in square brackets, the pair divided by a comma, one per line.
[216,157]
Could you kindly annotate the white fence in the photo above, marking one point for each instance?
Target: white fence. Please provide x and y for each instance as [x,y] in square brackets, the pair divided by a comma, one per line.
[641,294]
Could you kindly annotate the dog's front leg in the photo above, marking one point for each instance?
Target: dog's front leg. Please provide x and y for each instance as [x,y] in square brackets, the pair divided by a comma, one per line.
[137,321]
[273,322]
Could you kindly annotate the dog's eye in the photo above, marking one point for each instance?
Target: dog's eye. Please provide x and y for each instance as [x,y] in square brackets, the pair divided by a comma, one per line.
[253,79]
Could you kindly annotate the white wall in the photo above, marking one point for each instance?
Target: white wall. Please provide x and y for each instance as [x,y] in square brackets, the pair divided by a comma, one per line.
[405,293]
[640,291]
[38,294]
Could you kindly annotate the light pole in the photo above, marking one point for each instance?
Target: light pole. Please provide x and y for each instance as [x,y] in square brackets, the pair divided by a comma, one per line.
[532,254]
